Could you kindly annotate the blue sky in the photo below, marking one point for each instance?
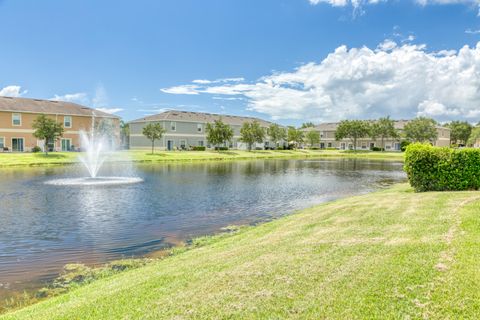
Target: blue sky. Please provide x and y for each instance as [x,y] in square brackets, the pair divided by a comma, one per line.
[287,60]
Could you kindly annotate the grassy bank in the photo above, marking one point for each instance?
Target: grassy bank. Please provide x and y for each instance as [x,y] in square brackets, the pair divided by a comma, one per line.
[390,254]
[64,158]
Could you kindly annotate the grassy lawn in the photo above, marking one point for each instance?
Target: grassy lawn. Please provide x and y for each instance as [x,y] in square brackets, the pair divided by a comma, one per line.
[61,158]
[394,254]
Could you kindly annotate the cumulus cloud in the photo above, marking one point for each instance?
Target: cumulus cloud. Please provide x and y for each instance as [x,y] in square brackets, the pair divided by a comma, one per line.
[79,97]
[12,91]
[109,110]
[398,80]
[358,4]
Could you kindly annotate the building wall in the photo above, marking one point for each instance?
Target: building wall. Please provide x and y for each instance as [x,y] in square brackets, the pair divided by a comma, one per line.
[8,131]
[327,140]
[186,133]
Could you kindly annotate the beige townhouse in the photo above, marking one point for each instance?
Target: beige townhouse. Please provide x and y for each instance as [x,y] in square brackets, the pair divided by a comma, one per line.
[17,116]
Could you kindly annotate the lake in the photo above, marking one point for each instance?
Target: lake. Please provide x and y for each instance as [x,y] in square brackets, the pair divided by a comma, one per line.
[43,226]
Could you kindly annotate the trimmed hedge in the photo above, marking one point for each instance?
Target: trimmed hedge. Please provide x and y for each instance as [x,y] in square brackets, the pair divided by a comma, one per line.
[442,169]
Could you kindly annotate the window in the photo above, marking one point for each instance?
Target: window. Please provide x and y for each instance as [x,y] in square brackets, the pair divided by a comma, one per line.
[66,144]
[173,126]
[329,145]
[67,121]
[2,143]
[199,127]
[16,119]
[200,143]
[17,144]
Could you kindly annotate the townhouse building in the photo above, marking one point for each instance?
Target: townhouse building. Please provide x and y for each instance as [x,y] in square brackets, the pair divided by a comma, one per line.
[185,129]
[18,114]
[327,138]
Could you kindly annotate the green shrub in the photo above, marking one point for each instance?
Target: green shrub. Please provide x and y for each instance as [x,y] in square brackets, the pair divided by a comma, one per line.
[377,149]
[36,149]
[198,148]
[330,148]
[404,144]
[442,169]
[221,148]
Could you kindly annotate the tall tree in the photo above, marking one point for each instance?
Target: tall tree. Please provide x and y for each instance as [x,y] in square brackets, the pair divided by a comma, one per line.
[218,133]
[252,132]
[294,136]
[459,131]
[313,137]
[474,136]
[307,125]
[47,129]
[353,130]
[277,133]
[421,129]
[153,131]
[383,128]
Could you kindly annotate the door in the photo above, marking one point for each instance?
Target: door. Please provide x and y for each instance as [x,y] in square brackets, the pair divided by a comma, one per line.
[183,144]
[66,145]
[17,144]
[170,145]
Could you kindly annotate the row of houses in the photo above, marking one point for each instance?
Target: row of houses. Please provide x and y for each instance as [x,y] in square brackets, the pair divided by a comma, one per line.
[183,129]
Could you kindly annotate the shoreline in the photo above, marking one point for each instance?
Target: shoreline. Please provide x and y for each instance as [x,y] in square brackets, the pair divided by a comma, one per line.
[14,160]
[349,226]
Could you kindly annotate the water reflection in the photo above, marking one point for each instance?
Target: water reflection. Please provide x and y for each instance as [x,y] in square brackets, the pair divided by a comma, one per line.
[43,227]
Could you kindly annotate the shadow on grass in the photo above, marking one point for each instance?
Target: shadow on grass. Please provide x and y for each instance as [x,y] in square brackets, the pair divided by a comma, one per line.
[231,153]
[50,156]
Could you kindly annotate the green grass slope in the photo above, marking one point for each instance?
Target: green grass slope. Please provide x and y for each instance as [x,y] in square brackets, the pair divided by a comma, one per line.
[387,255]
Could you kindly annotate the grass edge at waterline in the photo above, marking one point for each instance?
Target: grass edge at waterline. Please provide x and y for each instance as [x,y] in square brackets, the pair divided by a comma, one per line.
[388,254]
[68,158]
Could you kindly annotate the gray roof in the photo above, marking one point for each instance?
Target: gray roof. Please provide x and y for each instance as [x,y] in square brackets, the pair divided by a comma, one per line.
[332,126]
[201,117]
[14,104]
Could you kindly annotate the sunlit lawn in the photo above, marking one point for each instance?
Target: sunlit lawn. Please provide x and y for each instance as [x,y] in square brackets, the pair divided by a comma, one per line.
[394,254]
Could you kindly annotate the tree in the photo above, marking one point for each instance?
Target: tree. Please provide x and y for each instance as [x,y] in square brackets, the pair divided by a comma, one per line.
[353,130]
[421,129]
[153,131]
[124,133]
[474,136]
[307,125]
[277,133]
[47,130]
[218,132]
[294,136]
[252,132]
[459,131]
[313,137]
[384,128]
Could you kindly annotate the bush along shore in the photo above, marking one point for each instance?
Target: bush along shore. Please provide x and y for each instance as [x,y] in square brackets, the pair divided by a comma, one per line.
[385,255]
[442,169]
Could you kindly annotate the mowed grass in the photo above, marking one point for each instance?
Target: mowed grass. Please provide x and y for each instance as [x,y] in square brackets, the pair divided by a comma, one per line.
[64,158]
[394,254]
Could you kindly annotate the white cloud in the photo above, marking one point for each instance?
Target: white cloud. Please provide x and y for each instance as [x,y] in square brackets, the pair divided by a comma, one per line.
[109,110]
[185,89]
[12,91]
[358,4]
[387,45]
[470,31]
[79,97]
[401,81]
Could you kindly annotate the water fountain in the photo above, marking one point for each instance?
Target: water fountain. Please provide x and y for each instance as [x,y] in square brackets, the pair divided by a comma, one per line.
[93,157]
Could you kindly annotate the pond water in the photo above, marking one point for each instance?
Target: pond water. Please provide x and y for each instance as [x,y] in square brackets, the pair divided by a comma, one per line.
[45,226]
